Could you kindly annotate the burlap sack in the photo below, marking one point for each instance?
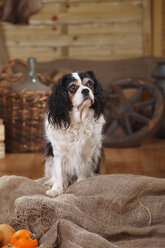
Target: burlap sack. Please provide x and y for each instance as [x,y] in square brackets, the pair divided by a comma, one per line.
[101,212]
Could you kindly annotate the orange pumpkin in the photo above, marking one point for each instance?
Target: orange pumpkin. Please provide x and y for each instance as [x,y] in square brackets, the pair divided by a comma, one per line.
[24,239]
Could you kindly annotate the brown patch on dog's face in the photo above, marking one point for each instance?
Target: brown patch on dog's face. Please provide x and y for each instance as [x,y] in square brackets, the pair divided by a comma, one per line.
[73,89]
[89,83]
[85,80]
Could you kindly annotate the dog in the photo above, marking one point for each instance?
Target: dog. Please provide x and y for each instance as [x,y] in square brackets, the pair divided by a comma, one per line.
[73,126]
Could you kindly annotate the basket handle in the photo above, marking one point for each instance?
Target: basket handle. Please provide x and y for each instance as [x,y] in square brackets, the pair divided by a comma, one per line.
[7,73]
[12,63]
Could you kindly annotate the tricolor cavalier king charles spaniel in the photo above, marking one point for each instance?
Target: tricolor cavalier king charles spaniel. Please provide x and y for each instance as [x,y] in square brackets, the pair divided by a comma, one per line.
[73,130]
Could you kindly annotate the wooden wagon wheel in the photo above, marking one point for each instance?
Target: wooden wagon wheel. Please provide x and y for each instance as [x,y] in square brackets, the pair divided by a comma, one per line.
[135,109]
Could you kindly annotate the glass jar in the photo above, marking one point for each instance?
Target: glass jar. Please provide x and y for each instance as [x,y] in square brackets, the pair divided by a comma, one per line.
[31,81]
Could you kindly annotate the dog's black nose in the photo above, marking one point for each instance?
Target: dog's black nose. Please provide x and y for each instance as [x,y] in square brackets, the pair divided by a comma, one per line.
[85,92]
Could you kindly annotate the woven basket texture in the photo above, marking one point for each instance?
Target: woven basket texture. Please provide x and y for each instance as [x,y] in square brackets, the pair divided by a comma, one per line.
[23,114]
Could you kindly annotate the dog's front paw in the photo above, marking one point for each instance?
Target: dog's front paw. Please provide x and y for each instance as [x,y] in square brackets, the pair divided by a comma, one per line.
[54,192]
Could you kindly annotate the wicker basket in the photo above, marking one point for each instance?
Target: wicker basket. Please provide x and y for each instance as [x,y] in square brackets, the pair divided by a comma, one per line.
[22,113]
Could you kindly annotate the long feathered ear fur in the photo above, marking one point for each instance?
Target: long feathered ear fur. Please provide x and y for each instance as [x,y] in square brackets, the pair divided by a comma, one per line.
[58,106]
[99,102]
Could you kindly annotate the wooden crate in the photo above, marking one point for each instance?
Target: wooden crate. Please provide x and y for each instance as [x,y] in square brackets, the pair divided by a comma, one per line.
[2,131]
[98,29]
[2,150]
[2,138]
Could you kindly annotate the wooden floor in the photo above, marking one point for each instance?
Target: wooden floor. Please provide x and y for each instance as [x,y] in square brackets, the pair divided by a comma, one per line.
[147,159]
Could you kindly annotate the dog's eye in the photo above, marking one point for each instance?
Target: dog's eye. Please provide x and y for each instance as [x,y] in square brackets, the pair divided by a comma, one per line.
[73,88]
[89,84]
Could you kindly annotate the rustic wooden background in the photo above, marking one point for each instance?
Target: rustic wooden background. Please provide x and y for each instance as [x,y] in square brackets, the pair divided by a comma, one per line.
[94,29]
[101,29]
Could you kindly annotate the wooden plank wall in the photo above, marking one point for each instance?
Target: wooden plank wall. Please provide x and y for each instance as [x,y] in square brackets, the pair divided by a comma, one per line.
[95,29]
[3,49]
[157,26]
[163,27]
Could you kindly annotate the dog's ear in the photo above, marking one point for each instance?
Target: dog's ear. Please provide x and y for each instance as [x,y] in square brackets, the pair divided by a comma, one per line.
[99,102]
[58,106]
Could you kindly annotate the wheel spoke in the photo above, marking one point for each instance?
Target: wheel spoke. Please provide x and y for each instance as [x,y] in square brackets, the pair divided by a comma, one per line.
[143,104]
[137,95]
[112,127]
[128,126]
[140,118]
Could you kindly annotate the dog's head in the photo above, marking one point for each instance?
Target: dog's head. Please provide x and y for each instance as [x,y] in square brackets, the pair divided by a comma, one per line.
[77,91]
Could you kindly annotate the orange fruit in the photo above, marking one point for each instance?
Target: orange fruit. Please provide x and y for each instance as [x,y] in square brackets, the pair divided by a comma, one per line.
[24,239]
